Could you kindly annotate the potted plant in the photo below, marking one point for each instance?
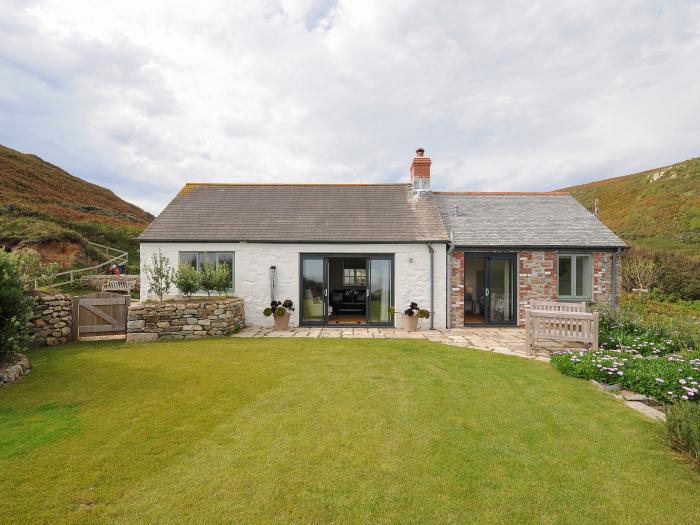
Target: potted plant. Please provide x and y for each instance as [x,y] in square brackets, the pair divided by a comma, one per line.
[280,311]
[411,316]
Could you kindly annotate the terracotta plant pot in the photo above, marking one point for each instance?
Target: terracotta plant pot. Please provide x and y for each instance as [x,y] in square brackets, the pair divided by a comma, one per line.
[282,323]
[410,322]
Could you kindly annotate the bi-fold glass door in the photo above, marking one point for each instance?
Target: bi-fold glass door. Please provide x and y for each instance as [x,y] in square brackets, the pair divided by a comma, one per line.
[490,294]
[315,290]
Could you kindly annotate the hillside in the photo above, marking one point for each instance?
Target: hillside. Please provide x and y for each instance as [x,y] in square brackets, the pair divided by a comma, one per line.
[658,209]
[51,210]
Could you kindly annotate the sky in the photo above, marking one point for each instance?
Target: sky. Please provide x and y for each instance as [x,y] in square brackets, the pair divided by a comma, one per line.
[143,96]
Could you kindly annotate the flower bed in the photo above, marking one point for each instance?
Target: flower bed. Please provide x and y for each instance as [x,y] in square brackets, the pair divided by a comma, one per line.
[650,355]
[667,378]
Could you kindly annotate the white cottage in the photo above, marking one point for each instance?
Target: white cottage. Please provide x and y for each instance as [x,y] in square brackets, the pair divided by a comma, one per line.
[345,253]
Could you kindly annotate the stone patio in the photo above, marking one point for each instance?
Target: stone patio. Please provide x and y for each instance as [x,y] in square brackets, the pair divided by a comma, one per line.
[510,341]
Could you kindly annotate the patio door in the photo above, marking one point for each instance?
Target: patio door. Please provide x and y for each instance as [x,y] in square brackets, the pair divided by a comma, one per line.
[314,290]
[490,294]
[501,300]
[371,292]
[379,297]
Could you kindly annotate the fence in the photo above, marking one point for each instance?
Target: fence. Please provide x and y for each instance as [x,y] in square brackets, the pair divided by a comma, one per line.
[115,256]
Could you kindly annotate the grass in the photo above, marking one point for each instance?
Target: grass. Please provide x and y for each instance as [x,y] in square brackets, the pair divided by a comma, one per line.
[312,431]
[41,203]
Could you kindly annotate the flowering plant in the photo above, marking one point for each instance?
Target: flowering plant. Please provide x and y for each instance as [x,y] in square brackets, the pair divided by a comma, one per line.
[279,308]
[667,378]
[413,309]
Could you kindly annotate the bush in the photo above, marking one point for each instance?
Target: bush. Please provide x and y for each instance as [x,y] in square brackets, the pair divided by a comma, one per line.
[631,327]
[222,278]
[215,278]
[15,308]
[187,279]
[279,308]
[28,267]
[414,309]
[683,429]
[159,274]
[671,273]
[670,378]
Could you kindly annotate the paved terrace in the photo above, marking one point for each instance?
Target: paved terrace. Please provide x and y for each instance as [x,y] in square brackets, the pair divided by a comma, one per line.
[509,341]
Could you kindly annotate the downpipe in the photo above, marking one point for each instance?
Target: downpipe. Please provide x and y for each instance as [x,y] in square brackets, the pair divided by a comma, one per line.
[432,284]
[448,274]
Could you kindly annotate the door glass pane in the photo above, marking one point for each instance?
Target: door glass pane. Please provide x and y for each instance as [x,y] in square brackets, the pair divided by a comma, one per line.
[583,276]
[379,290]
[565,276]
[501,291]
[312,287]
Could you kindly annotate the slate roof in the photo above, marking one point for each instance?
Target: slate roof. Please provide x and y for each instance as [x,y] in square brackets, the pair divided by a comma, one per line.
[522,220]
[298,213]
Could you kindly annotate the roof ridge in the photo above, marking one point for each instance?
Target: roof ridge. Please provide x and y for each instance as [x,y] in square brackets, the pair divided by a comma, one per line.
[293,184]
[547,193]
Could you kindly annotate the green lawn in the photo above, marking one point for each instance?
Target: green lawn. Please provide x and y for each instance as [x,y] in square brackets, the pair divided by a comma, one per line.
[311,431]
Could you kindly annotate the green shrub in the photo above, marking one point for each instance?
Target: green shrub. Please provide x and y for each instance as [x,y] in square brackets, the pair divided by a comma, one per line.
[15,308]
[222,278]
[279,308]
[669,272]
[159,274]
[683,429]
[669,378]
[215,278]
[631,327]
[187,279]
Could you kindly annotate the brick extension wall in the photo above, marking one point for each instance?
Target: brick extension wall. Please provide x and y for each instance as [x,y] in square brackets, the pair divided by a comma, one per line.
[537,279]
[457,289]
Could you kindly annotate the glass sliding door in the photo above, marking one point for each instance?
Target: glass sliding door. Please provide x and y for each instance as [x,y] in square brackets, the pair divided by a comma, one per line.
[501,290]
[314,292]
[380,290]
[490,294]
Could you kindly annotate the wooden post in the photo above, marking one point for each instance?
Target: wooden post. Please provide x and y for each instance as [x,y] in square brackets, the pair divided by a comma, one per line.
[594,329]
[75,325]
[528,332]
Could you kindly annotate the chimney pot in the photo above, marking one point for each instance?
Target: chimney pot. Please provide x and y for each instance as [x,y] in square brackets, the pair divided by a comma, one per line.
[420,172]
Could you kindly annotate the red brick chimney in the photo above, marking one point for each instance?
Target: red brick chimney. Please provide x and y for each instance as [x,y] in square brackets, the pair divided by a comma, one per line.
[420,172]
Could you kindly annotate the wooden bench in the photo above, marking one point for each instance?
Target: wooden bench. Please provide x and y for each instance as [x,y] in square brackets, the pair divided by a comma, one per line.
[577,326]
[553,306]
[118,286]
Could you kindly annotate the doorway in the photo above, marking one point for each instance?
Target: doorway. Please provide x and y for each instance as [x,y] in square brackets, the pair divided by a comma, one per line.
[490,293]
[346,290]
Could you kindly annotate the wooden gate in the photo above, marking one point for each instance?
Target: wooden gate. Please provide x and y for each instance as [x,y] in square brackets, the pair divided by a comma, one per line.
[100,313]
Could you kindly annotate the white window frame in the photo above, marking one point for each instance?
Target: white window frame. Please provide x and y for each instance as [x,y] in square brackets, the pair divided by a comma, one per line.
[201,256]
[572,257]
[358,280]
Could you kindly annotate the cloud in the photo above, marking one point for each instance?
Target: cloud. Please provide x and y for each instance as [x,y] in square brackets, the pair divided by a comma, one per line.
[143,96]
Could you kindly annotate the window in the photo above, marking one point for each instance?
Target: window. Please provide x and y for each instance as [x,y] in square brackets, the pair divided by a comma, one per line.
[354,277]
[198,259]
[575,277]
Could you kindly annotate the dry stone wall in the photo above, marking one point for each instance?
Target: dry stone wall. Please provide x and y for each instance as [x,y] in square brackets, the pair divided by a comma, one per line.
[13,370]
[179,320]
[52,320]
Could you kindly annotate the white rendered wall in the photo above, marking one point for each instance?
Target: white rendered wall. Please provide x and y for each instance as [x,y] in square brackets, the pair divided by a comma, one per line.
[253,261]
